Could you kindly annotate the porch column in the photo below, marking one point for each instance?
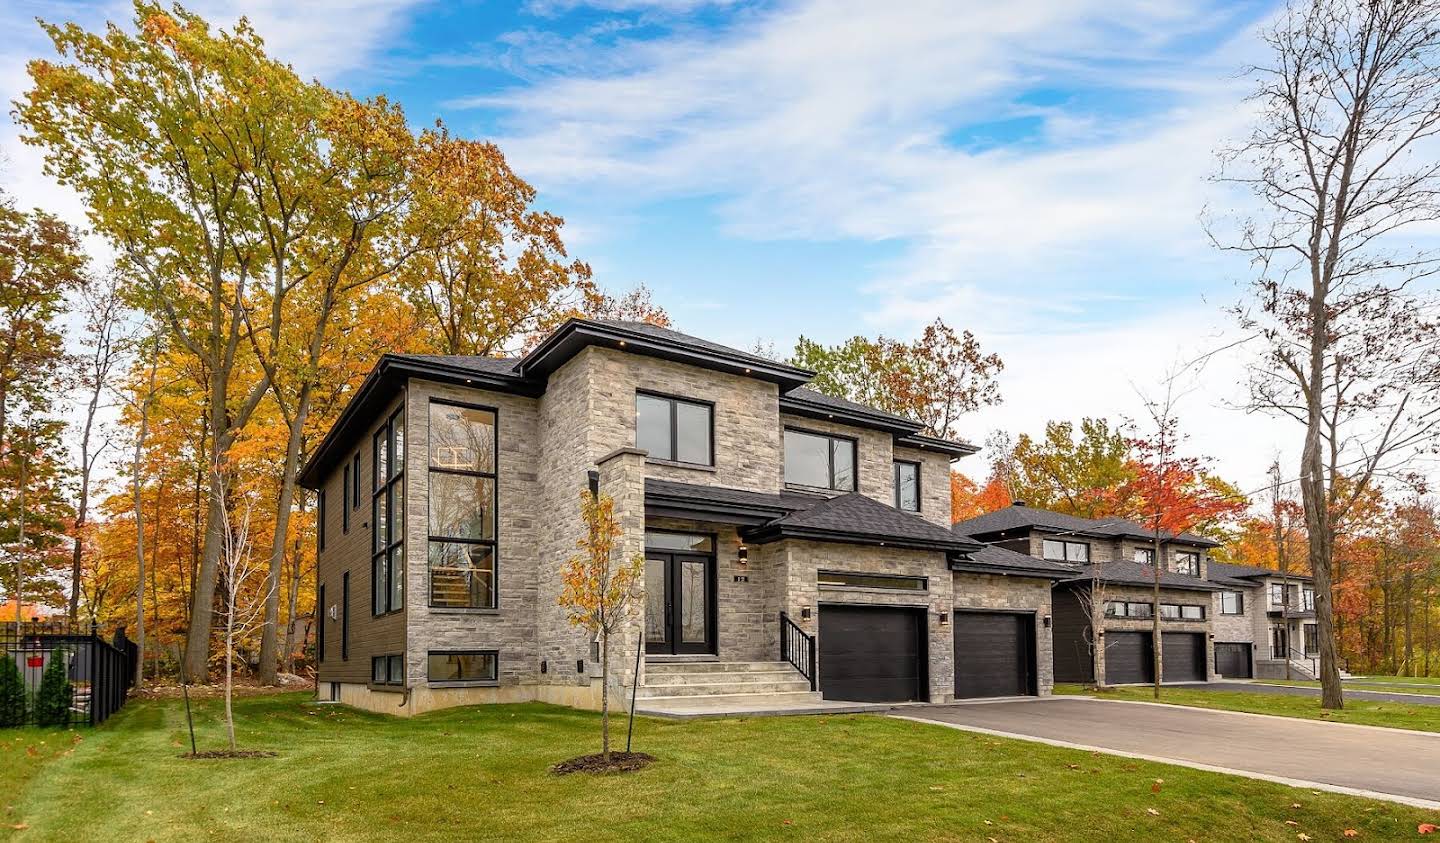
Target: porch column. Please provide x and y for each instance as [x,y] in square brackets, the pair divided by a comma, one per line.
[622,477]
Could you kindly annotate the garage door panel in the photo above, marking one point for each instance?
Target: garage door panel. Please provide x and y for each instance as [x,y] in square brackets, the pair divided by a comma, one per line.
[1232,660]
[1184,656]
[993,654]
[870,654]
[1128,658]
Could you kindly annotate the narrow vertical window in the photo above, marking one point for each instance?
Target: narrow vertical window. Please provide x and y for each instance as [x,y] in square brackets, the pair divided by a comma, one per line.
[387,509]
[907,486]
[320,625]
[320,521]
[345,502]
[345,616]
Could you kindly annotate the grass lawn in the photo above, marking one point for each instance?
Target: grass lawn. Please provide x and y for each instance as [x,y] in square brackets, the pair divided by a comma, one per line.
[1403,680]
[481,773]
[1425,718]
[1367,685]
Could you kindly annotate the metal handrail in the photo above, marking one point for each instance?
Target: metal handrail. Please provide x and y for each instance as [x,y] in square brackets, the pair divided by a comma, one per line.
[798,648]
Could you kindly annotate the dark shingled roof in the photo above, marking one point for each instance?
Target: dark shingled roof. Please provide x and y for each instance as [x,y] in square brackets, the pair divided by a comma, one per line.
[785,502]
[1225,570]
[1002,560]
[1016,516]
[503,366]
[810,396]
[671,335]
[1133,573]
[854,517]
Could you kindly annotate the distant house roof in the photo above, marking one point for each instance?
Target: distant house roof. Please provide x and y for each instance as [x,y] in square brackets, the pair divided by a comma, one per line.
[992,559]
[1019,516]
[1133,573]
[527,375]
[855,518]
[1249,572]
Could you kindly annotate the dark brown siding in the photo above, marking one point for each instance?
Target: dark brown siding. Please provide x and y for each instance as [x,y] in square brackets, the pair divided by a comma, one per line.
[1074,661]
[369,635]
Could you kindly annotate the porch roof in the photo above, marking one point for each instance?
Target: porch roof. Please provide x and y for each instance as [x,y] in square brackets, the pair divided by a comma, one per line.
[992,559]
[766,517]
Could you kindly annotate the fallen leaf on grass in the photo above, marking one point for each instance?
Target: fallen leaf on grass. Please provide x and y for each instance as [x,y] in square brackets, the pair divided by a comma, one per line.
[19,827]
[1427,828]
[1303,836]
[1294,804]
[1152,812]
[1350,832]
[1155,788]
[1292,823]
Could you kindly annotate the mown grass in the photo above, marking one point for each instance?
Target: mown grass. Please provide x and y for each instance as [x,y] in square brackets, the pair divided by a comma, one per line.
[1425,718]
[482,773]
[1367,685]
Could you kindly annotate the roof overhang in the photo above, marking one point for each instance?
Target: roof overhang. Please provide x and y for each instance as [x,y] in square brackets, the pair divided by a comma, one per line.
[966,566]
[941,446]
[779,532]
[800,406]
[386,379]
[659,505]
[1198,585]
[577,334]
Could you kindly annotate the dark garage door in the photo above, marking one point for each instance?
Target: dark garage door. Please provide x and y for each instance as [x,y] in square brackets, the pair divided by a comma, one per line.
[994,656]
[1232,660]
[871,654]
[1128,658]
[1184,656]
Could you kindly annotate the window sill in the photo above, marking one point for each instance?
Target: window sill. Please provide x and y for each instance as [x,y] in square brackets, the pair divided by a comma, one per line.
[462,610]
[860,589]
[818,491]
[693,466]
[478,683]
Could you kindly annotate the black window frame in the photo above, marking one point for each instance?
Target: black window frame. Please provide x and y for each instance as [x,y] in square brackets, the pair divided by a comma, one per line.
[1066,544]
[345,616]
[915,464]
[673,400]
[1187,556]
[1239,602]
[832,438]
[493,679]
[1307,599]
[390,662]
[323,613]
[383,487]
[320,521]
[1271,594]
[1310,632]
[356,486]
[858,579]
[345,501]
[494,476]
[1149,555]
[1133,609]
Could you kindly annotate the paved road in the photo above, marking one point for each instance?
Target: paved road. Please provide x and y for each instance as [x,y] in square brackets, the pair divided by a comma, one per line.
[1382,761]
[1300,691]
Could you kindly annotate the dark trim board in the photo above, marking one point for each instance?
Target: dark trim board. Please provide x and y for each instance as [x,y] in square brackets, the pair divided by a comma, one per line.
[994,653]
[873,653]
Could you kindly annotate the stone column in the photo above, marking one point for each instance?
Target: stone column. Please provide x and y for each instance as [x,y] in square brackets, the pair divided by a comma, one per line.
[622,477]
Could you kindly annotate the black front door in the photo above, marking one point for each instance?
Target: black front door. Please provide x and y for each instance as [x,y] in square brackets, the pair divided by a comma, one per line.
[679,603]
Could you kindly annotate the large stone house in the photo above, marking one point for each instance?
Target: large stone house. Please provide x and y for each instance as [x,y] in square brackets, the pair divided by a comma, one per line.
[797,547]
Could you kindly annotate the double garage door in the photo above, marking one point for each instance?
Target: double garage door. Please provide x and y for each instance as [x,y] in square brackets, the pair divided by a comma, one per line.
[1129,659]
[878,654]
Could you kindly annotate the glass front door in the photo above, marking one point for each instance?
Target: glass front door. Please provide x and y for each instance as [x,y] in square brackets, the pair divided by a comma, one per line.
[679,603]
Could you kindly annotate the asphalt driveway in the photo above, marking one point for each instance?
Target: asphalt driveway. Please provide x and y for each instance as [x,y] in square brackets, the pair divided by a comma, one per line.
[1301,691]
[1378,762]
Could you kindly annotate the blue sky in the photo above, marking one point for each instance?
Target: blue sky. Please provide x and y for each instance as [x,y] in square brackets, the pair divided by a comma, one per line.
[1033,171]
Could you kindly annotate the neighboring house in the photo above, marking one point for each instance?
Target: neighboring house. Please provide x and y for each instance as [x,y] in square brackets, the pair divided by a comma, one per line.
[1276,618]
[1107,595]
[796,546]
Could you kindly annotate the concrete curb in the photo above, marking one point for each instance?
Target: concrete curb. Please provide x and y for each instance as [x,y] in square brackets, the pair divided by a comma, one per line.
[1194,765]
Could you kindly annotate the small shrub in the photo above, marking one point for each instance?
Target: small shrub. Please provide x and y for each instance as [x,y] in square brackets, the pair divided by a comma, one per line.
[52,703]
[12,692]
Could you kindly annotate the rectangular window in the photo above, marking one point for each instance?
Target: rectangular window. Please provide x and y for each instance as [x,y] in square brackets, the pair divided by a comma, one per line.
[387,509]
[1116,609]
[1192,613]
[674,429]
[1187,563]
[345,502]
[379,673]
[355,481]
[462,522]
[397,670]
[819,460]
[1307,600]
[907,486]
[1177,612]
[1232,603]
[1145,556]
[1140,610]
[320,625]
[839,579]
[345,616]
[1277,595]
[685,542]
[1279,648]
[387,670]
[320,521]
[1061,551]
[1312,639]
[462,666]
[1169,611]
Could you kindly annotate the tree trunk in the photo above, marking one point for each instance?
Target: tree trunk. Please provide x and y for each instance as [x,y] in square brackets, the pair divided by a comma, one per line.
[20,553]
[230,676]
[1157,643]
[269,633]
[605,696]
[138,502]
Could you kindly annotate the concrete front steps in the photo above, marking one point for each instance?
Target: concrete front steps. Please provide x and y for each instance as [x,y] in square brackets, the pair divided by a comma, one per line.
[716,688]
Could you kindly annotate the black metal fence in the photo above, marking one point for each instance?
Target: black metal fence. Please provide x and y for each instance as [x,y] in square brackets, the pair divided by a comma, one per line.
[55,674]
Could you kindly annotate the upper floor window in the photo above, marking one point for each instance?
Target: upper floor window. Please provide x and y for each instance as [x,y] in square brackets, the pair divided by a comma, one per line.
[1187,563]
[1061,551]
[1277,594]
[387,510]
[907,486]
[819,460]
[462,523]
[1232,603]
[1307,599]
[674,429]
[1145,555]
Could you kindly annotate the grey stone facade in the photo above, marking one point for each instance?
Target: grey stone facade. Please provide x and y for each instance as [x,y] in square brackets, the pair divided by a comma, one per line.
[1018,594]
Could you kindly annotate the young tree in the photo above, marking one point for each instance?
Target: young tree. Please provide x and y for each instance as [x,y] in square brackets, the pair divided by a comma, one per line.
[1342,161]
[56,695]
[599,590]
[12,693]
[242,609]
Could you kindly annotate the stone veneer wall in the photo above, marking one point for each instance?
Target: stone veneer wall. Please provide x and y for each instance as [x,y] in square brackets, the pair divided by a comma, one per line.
[747,608]
[987,591]
[803,559]
[874,455]
[1145,594]
[934,483]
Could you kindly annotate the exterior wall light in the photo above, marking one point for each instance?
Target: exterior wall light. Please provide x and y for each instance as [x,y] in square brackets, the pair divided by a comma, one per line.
[1046,621]
[944,619]
[804,613]
[743,556]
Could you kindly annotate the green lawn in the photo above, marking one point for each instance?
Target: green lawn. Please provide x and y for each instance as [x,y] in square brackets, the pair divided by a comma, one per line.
[1367,685]
[1425,718]
[1404,680]
[481,773]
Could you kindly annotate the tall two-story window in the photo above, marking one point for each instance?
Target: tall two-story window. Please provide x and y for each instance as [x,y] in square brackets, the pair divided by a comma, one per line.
[819,460]
[462,526]
[675,429]
[1062,551]
[387,517]
[1187,563]
[907,486]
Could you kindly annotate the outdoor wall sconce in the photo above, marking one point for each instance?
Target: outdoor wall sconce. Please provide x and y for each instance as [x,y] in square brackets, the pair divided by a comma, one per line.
[544,666]
[1101,633]
[579,665]
[944,619]
[1046,621]
[804,613]
[742,556]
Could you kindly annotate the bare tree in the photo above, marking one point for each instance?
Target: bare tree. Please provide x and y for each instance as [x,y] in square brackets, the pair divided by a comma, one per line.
[141,404]
[243,611]
[1341,159]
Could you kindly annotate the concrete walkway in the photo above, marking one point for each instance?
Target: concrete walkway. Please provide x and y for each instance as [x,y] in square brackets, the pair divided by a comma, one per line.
[1301,691]
[1392,764]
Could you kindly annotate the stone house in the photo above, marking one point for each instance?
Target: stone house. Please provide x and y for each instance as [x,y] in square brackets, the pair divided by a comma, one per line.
[797,547]
[1275,617]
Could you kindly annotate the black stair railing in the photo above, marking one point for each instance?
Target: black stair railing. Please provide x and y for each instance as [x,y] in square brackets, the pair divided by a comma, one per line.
[797,648]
